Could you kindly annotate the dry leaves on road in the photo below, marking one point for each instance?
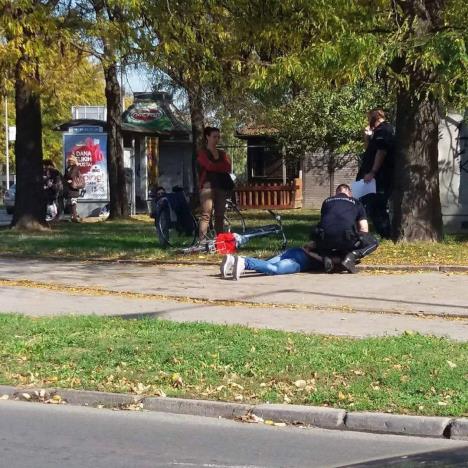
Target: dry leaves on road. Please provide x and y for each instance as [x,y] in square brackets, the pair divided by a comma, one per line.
[40,396]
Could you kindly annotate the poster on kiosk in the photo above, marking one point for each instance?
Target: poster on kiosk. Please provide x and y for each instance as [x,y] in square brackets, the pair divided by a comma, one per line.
[90,150]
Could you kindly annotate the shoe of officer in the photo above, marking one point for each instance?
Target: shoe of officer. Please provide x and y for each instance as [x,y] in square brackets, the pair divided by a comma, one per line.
[349,262]
[227,265]
[328,264]
[238,268]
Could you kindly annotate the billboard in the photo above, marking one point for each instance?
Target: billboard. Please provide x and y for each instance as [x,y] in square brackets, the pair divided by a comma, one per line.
[90,151]
[147,114]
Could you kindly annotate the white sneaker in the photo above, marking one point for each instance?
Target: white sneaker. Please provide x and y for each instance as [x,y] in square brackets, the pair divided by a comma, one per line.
[227,265]
[239,268]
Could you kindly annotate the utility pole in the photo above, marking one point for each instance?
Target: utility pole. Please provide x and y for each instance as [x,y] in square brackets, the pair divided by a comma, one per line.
[7,144]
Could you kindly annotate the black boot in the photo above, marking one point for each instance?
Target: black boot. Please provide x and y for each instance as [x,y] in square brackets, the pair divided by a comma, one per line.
[349,262]
[328,264]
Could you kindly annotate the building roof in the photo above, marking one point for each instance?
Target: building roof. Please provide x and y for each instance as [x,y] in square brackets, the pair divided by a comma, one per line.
[154,112]
[151,114]
[246,131]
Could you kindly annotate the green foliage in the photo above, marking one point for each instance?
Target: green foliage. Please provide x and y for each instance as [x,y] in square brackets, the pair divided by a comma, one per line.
[69,79]
[327,122]
[342,42]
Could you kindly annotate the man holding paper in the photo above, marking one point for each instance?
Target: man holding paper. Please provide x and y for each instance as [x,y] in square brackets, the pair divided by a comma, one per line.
[377,166]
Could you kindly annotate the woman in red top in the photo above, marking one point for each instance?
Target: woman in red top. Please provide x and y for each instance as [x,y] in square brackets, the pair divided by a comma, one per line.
[214,167]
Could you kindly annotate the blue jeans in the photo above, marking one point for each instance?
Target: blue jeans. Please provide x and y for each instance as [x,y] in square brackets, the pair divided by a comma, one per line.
[290,261]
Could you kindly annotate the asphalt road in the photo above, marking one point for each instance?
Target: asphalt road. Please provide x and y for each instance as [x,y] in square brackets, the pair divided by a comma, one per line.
[37,435]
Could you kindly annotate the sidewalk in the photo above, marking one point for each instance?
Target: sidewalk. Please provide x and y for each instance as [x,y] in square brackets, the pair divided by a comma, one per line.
[366,304]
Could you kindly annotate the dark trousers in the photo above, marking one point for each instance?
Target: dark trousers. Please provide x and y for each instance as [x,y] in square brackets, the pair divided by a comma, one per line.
[361,244]
[366,245]
[376,208]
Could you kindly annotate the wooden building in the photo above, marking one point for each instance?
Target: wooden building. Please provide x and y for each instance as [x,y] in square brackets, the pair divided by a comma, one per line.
[272,181]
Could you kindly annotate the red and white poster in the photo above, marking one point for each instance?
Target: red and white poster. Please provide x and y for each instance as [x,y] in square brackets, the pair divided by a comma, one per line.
[90,151]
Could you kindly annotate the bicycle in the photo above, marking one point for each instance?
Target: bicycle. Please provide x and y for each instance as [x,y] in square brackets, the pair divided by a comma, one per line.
[226,244]
[177,227]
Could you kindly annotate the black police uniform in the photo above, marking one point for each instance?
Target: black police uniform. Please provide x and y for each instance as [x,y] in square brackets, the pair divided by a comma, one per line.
[383,138]
[337,233]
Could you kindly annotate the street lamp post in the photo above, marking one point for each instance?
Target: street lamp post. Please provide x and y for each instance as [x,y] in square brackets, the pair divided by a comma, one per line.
[7,145]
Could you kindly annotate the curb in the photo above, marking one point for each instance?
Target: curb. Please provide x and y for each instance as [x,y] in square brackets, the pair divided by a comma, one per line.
[143,262]
[315,416]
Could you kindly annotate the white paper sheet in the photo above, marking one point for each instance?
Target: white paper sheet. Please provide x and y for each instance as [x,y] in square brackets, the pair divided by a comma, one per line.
[361,188]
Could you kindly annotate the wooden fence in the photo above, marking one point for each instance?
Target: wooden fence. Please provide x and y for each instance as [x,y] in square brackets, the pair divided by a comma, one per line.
[270,196]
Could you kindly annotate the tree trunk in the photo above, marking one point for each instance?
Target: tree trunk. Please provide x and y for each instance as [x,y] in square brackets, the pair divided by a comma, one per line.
[30,207]
[115,160]
[416,198]
[198,126]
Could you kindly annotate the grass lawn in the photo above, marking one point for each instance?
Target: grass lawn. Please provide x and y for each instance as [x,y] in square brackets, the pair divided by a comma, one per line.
[407,374]
[136,239]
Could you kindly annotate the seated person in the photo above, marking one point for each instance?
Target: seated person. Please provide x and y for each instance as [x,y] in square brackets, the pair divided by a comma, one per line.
[293,260]
[342,235]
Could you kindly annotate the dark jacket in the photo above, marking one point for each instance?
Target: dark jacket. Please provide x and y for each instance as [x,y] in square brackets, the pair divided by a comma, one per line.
[383,138]
[70,173]
[52,184]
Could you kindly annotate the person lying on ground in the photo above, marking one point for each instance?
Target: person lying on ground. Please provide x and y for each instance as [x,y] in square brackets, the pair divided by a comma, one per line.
[293,260]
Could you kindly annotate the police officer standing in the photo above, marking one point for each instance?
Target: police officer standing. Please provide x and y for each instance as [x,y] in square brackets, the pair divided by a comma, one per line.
[342,235]
[377,163]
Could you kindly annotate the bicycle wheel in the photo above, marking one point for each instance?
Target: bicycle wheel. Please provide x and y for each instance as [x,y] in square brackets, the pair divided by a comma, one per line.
[173,233]
[233,219]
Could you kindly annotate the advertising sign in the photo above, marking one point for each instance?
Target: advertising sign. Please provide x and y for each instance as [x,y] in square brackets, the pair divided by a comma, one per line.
[90,151]
[147,114]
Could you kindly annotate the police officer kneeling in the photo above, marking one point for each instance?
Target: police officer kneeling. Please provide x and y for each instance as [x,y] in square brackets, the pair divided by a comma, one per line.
[342,235]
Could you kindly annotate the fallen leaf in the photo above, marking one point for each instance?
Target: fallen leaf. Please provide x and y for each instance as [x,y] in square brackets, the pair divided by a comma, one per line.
[451,364]
[177,381]
[236,385]
[300,383]
[56,400]
[249,417]
[131,406]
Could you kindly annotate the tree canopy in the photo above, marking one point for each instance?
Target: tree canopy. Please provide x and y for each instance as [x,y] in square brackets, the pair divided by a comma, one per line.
[319,64]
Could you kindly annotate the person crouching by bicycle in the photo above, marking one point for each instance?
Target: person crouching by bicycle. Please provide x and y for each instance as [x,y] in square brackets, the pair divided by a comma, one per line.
[214,167]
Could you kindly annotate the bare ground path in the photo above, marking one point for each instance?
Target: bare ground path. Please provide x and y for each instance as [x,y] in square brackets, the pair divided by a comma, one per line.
[366,304]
